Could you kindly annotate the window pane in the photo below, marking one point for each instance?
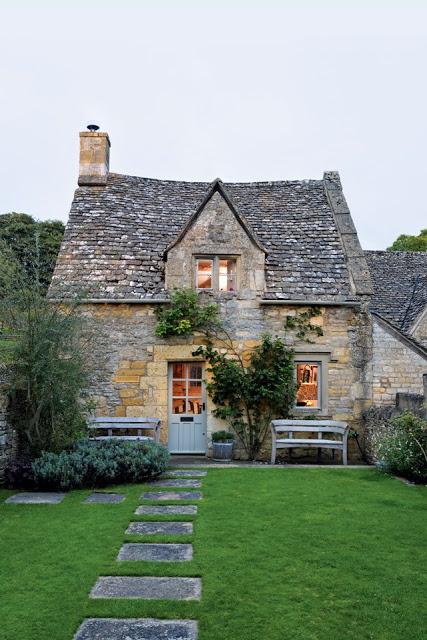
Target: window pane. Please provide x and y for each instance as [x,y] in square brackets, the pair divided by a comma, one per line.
[194,388]
[178,405]
[195,371]
[178,388]
[194,406]
[204,274]
[227,275]
[179,370]
[308,385]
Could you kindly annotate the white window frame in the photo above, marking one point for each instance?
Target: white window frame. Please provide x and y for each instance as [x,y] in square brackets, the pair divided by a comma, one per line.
[215,272]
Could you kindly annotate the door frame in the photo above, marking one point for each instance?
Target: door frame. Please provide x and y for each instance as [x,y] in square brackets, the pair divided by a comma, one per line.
[204,402]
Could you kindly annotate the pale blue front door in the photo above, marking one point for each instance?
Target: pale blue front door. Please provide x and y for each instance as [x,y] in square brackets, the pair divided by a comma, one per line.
[187,408]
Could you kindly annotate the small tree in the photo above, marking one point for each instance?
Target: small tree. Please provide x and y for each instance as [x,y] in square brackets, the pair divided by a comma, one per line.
[48,370]
[248,395]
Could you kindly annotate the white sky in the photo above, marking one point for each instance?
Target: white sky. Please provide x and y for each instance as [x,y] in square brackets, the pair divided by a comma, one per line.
[240,90]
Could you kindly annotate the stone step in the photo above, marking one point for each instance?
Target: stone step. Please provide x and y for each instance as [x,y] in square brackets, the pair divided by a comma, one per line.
[136,629]
[100,497]
[166,510]
[156,552]
[36,497]
[186,473]
[179,483]
[171,495]
[160,528]
[147,588]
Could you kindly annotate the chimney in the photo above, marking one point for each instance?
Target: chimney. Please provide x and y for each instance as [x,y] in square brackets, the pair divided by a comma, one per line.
[94,157]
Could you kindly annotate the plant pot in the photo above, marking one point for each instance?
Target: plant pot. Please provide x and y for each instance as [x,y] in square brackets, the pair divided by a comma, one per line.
[222,451]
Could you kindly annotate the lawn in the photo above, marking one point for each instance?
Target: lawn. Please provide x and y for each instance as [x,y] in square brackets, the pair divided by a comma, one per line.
[305,554]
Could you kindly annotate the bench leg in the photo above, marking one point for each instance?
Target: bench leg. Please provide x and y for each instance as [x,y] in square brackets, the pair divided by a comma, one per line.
[273,454]
[344,455]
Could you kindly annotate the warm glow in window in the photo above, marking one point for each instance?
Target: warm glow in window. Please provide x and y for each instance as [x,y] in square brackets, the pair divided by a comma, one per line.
[204,274]
[227,275]
[308,394]
[187,388]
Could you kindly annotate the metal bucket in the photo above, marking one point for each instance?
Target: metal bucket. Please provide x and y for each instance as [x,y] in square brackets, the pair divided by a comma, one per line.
[222,451]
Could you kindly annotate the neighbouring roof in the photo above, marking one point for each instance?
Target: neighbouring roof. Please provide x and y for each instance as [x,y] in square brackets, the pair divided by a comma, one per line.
[116,237]
[400,285]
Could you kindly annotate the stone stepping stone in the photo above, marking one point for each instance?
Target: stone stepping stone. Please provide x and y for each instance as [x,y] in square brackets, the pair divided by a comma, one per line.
[160,528]
[147,588]
[181,483]
[171,495]
[136,629]
[166,510]
[104,498]
[156,552]
[36,498]
[183,473]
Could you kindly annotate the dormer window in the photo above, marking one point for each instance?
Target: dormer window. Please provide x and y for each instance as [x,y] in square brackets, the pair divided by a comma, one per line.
[216,274]
[204,274]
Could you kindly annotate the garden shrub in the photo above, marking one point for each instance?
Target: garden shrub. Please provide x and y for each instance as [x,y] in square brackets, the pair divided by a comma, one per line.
[18,474]
[222,436]
[99,463]
[401,447]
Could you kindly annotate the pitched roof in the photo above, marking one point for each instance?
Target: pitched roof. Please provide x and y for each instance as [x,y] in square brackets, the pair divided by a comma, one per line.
[116,237]
[216,186]
[400,285]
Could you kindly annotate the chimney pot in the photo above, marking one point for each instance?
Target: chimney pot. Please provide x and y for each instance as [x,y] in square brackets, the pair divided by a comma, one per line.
[94,158]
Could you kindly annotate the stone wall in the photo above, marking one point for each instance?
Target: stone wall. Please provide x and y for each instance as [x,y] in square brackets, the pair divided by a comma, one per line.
[420,329]
[397,367]
[132,362]
[377,418]
[6,436]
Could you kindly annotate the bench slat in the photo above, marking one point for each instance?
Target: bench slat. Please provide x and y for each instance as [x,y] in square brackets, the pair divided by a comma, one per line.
[305,429]
[318,427]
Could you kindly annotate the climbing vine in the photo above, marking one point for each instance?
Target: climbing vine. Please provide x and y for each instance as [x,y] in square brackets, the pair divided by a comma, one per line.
[249,388]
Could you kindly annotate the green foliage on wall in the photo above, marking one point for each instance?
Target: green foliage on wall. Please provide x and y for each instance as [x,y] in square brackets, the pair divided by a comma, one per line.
[186,314]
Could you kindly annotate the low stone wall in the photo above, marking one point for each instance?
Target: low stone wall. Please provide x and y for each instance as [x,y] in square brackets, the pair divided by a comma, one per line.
[6,434]
[377,418]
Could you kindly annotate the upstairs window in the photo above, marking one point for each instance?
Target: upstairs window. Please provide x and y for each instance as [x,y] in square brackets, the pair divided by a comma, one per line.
[216,273]
[227,275]
[204,274]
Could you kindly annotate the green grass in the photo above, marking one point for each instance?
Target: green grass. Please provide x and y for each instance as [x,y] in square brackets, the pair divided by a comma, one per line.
[307,554]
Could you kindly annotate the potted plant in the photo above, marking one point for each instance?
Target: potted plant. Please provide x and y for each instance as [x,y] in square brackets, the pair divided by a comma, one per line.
[222,444]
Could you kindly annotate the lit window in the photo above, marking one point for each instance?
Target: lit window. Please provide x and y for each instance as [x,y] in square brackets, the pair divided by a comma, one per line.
[204,274]
[218,274]
[308,381]
[227,275]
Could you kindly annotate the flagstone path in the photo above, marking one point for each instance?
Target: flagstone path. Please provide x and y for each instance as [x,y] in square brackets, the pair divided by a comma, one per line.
[171,495]
[152,587]
[36,497]
[137,629]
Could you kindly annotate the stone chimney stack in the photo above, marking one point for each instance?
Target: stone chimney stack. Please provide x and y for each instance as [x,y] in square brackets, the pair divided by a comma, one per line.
[94,157]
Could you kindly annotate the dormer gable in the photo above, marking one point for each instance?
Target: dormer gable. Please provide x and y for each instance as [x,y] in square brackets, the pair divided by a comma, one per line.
[214,236]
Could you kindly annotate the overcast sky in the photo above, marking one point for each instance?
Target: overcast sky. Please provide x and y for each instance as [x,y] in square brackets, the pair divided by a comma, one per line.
[241,90]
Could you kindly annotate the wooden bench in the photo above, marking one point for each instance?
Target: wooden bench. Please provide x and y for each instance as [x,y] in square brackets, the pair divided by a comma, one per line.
[318,427]
[106,426]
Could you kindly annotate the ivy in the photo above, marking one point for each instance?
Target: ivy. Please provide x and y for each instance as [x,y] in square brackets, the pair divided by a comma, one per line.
[303,325]
[185,315]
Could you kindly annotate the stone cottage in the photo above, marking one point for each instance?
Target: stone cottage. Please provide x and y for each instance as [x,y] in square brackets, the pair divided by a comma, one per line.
[263,250]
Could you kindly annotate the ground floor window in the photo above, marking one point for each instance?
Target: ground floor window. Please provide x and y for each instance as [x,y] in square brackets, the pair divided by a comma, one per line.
[308,376]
